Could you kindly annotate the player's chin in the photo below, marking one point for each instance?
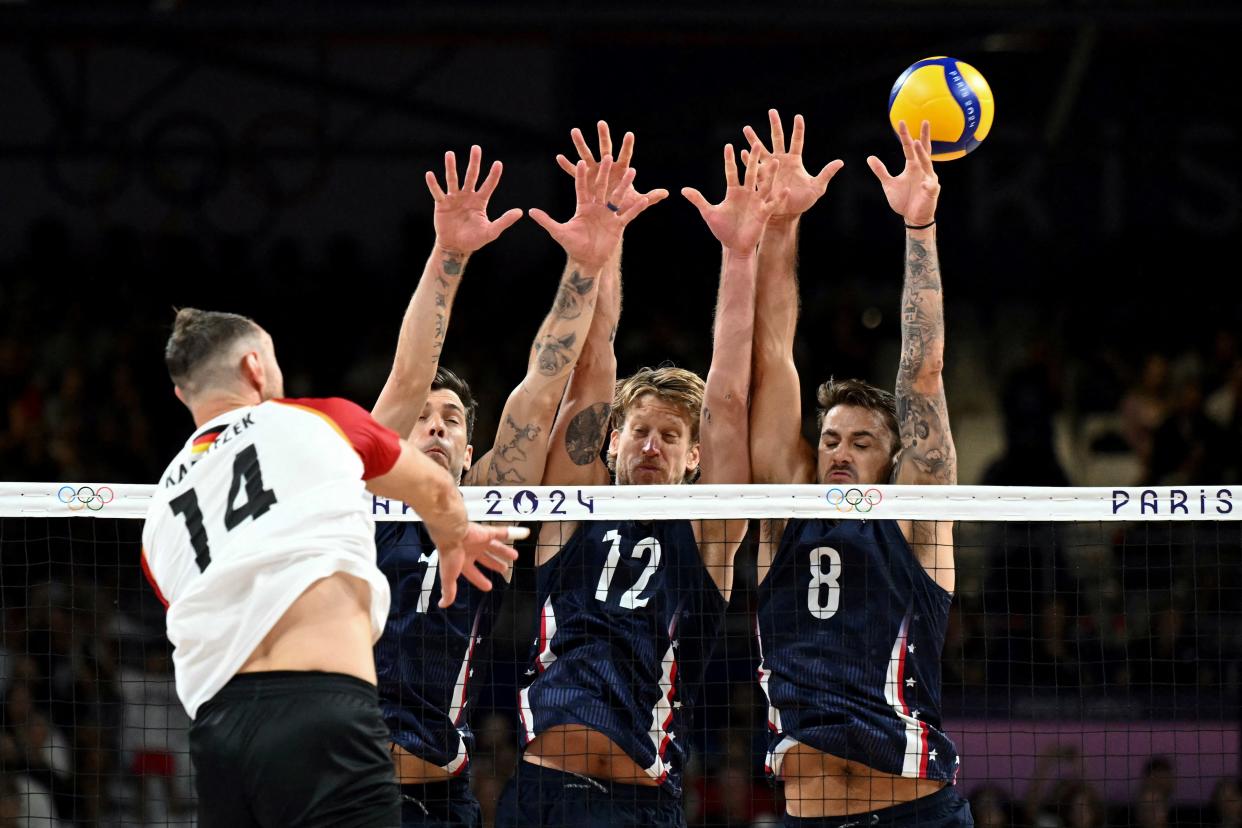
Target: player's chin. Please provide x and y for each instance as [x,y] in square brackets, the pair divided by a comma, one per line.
[439,457]
[644,476]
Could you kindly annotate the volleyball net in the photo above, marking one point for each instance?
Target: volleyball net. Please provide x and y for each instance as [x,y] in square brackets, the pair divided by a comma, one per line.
[1092,661]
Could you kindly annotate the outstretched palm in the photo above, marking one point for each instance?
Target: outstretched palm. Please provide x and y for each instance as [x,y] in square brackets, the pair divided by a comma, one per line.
[914,192]
[804,189]
[460,216]
[629,196]
[591,236]
[739,220]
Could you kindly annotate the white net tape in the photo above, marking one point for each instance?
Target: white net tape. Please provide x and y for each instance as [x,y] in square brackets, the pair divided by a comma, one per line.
[545,503]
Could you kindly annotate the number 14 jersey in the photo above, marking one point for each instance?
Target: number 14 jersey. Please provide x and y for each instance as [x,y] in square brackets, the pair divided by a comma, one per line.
[850,633]
[259,504]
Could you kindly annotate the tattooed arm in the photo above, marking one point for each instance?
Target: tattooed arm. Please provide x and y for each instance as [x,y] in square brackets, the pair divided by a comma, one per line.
[520,451]
[586,411]
[927,452]
[779,453]
[462,227]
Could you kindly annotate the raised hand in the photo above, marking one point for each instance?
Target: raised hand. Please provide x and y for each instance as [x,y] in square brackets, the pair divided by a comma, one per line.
[460,216]
[592,235]
[804,189]
[481,545]
[737,222]
[631,195]
[913,193]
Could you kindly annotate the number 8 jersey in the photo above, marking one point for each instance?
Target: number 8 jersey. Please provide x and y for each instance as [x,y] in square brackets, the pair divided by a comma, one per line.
[850,633]
[259,504]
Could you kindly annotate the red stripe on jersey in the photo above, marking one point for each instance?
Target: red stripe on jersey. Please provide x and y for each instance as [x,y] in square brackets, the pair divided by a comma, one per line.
[146,570]
[379,447]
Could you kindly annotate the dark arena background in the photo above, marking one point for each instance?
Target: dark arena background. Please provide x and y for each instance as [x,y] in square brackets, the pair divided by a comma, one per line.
[268,159]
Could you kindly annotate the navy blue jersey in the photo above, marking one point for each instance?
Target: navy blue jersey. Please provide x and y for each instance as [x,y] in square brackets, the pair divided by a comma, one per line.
[424,659]
[851,628]
[628,619]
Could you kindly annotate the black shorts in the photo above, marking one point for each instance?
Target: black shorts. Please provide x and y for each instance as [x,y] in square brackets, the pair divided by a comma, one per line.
[539,796]
[943,809]
[448,804]
[299,749]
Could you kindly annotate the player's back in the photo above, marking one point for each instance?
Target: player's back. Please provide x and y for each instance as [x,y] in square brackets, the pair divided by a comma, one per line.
[259,504]
[851,629]
[627,621]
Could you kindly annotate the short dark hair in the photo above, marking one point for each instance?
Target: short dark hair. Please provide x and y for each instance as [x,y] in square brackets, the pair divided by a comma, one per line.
[450,381]
[197,337]
[861,394]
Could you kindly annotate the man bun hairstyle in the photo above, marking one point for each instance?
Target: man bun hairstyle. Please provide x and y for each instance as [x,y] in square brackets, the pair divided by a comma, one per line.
[861,394]
[199,339]
[450,381]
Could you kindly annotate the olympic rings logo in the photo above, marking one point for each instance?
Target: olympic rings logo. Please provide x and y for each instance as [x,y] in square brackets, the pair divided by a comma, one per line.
[851,500]
[85,497]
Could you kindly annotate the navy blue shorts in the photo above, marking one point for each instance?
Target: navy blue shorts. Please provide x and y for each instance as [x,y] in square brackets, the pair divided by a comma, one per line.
[448,804]
[299,749]
[943,809]
[539,796]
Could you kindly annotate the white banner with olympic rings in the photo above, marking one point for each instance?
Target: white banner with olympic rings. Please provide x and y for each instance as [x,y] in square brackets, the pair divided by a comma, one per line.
[512,503]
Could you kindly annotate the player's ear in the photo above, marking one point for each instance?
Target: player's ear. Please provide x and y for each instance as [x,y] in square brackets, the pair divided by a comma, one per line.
[692,457]
[252,371]
[467,459]
[181,395]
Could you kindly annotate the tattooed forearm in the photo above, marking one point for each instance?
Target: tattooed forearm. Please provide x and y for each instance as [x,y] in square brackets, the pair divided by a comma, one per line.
[554,353]
[585,433]
[570,301]
[926,444]
[922,314]
[927,452]
[514,449]
[452,263]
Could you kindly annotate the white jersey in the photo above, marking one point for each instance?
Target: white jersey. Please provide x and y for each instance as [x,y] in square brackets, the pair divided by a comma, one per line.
[260,503]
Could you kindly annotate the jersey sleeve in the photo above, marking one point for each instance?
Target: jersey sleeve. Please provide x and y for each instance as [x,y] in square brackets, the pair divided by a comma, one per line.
[378,446]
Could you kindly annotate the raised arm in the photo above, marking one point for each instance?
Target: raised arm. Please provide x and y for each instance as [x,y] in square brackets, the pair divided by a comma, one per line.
[520,452]
[779,454]
[464,546]
[738,224]
[462,227]
[586,409]
[927,452]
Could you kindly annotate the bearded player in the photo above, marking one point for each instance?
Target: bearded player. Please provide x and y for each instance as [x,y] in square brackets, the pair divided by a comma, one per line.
[852,613]
[630,609]
[426,659]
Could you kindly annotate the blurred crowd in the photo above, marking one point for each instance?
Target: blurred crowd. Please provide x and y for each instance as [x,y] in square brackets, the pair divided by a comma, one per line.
[1051,620]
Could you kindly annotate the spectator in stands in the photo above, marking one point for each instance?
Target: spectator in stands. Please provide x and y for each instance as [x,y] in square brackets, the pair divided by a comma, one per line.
[1028,403]
[11,806]
[1145,405]
[1187,447]
[1151,808]
[1226,811]
[1079,806]
[990,806]
[34,804]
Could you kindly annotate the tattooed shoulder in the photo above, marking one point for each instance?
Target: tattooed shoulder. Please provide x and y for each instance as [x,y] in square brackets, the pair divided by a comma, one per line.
[585,433]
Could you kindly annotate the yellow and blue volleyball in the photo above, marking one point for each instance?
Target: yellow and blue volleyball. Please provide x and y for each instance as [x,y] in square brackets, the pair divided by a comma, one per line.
[952,96]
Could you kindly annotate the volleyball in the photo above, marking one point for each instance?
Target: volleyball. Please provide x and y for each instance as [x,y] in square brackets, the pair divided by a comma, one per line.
[950,94]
